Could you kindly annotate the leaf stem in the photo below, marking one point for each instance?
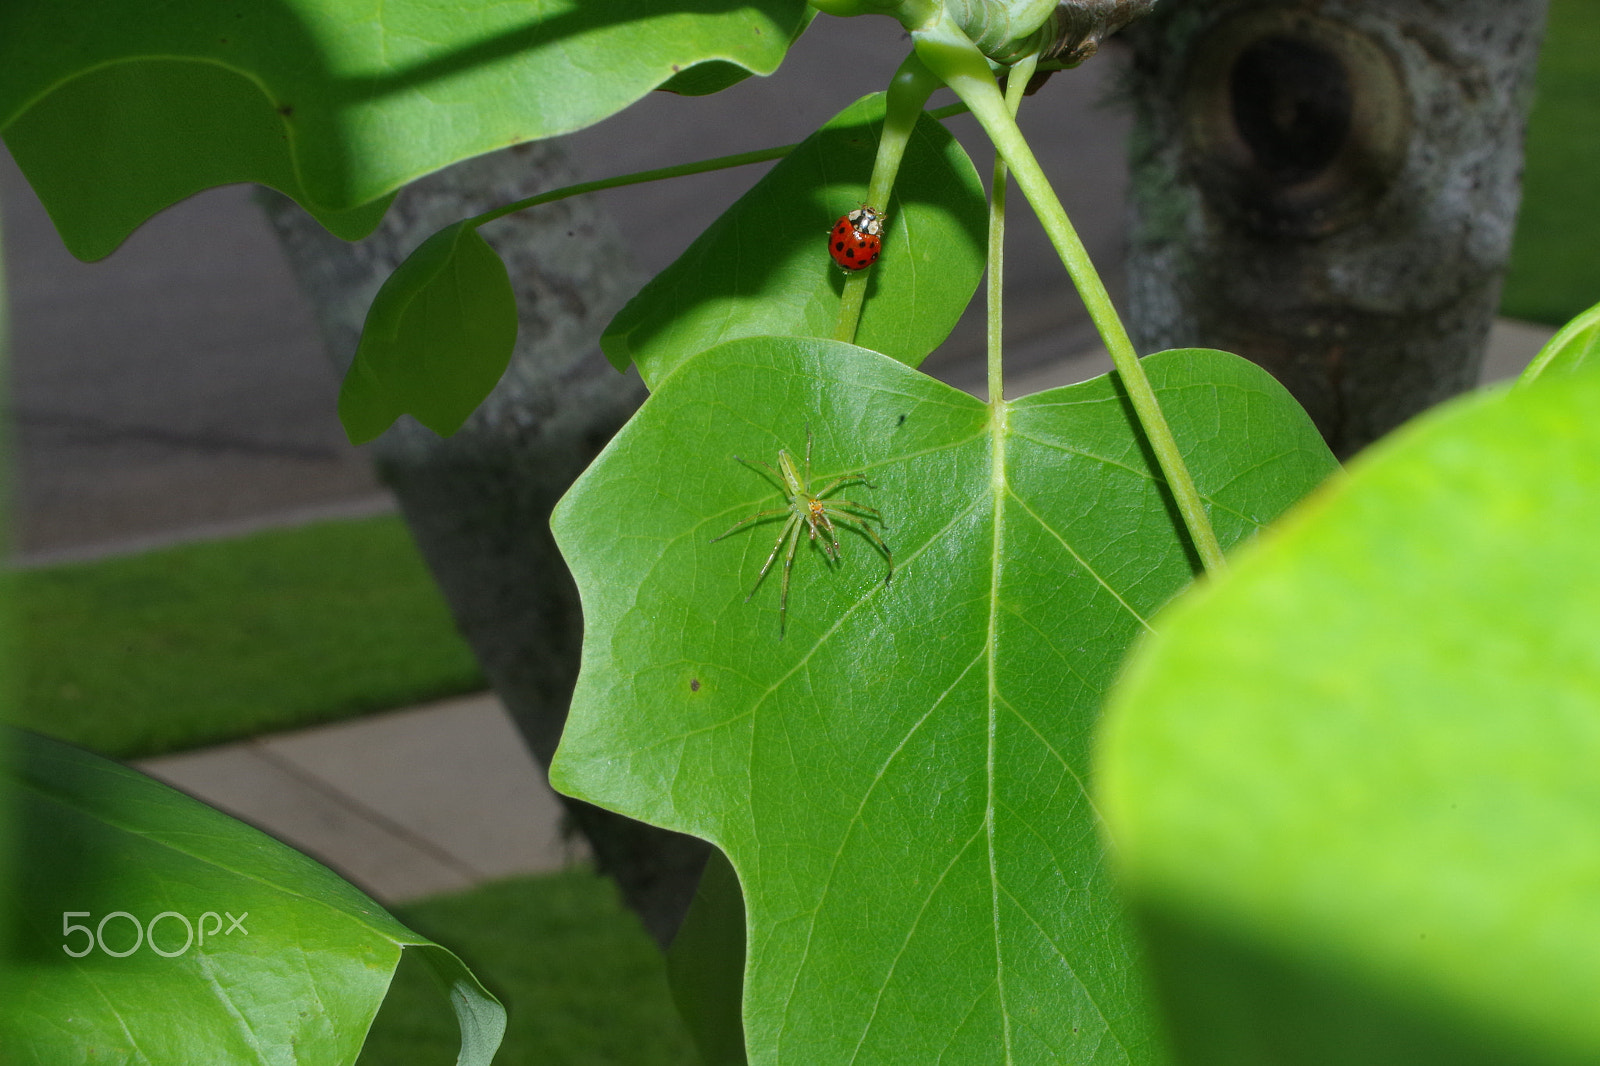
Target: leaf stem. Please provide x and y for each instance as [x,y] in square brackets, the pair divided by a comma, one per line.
[703,166]
[948,53]
[909,90]
[1015,87]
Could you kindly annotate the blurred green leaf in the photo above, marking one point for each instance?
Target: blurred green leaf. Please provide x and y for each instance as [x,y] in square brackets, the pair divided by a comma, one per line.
[899,782]
[1569,350]
[437,339]
[8,662]
[705,965]
[245,950]
[118,109]
[1353,784]
[763,267]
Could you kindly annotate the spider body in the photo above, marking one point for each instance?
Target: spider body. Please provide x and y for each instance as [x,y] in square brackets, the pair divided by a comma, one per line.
[813,511]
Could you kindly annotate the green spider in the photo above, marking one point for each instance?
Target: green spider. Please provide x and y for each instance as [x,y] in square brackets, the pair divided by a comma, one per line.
[815,512]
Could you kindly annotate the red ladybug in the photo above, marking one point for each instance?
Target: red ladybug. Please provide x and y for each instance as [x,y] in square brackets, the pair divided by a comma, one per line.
[857,238]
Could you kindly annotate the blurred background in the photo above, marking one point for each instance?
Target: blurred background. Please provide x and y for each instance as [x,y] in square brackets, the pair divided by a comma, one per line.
[215,585]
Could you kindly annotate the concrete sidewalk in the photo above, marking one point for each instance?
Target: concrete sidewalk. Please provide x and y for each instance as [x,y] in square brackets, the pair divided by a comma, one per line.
[405,804]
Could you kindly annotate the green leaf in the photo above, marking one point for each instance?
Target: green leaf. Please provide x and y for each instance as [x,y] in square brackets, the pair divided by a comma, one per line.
[1569,350]
[8,660]
[117,109]
[1353,784]
[715,75]
[247,951]
[899,781]
[437,339]
[112,147]
[763,267]
[705,965]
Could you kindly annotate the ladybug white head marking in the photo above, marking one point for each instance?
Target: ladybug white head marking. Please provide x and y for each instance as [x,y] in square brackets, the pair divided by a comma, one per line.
[866,221]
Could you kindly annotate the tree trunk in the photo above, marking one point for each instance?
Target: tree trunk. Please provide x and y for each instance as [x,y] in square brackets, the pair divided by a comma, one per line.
[479,502]
[1328,188]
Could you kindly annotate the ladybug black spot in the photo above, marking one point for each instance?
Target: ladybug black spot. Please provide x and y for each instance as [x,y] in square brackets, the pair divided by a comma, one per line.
[838,246]
[851,253]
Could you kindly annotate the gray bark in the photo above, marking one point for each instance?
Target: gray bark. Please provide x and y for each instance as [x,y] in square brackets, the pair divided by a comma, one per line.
[479,502]
[1328,188]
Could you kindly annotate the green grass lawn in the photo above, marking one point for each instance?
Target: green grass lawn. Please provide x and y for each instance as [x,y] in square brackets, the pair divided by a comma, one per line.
[209,642]
[582,983]
[1555,257]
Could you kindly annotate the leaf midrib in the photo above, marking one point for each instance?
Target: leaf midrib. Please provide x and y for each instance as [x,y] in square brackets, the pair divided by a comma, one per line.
[999,419]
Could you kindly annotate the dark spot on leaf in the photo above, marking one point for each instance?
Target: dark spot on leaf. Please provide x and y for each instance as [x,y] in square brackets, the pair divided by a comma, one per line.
[286,110]
[902,421]
[676,68]
[694,684]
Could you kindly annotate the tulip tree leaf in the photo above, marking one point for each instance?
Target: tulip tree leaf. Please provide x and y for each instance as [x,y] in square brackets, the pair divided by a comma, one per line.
[1575,345]
[245,950]
[705,965]
[763,267]
[437,339]
[1353,784]
[118,109]
[899,781]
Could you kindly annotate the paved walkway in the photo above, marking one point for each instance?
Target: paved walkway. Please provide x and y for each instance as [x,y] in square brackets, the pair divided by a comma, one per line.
[406,804]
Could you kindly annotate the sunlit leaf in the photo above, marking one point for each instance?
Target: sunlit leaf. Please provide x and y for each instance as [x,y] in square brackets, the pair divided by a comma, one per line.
[437,339]
[151,928]
[1353,784]
[763,267]
[900,780]
[1575,345]
[118,109]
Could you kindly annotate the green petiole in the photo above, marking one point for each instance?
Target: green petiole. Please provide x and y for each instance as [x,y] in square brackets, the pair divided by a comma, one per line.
[703,166]
[949,54]
[1015,87]
[909,90]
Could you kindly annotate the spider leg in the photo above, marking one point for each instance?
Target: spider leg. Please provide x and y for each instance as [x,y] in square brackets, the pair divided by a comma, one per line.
[759,516]
[838,507]
[758,466]
[858,524]
[819,522]
[783,597]
[843,480]
[792,524]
